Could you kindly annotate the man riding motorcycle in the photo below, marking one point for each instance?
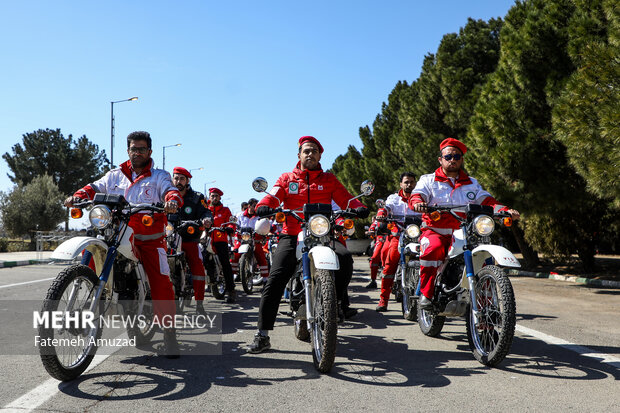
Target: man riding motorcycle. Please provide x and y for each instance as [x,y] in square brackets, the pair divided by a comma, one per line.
[449,185]
[398,207]
[248,219]
[379,230]
[219,239]
[194,209]
[139,182]
[307,183]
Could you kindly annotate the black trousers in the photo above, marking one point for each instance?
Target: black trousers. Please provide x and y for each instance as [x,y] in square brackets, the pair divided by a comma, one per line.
[282,269]
[221,250]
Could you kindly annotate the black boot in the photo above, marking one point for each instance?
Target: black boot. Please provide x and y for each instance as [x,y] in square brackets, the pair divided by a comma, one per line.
[232,297]
[200,308]
[171,345]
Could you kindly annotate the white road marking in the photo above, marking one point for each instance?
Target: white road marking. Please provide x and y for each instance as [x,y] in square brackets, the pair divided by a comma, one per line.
[26,282]
[46,390]
[581,350]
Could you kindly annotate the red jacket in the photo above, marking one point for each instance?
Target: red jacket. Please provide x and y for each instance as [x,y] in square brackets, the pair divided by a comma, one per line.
[221,215]
[292,189]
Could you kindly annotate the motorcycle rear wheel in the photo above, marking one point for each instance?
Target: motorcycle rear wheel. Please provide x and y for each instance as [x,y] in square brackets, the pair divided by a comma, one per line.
[324,326]
[490,340]
[66,362]
[246,268]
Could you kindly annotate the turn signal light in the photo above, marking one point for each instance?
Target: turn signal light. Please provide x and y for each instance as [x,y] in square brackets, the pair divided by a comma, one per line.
[348,223]
[507,221]
[280,217]
[391,226]
[435,215]
[147,220]
[76,213]
[190,230]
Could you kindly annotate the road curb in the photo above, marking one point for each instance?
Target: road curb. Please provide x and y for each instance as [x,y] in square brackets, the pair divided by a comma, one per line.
[571,278]
[8,264]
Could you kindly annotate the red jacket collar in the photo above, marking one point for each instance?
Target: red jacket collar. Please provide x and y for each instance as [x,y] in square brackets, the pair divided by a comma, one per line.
[303,174]
[247,214]
[128,170]
[401,194]
[463,178]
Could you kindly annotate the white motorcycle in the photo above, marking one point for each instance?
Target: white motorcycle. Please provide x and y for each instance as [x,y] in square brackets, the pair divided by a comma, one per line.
[77,289]
[471,282]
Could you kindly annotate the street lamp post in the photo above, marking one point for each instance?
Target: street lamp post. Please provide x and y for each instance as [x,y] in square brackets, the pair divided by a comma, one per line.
[163,163]
[210,182]
[112,127]
[196,169]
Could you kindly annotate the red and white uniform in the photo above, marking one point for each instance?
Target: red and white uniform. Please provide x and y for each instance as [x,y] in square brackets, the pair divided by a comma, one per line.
[221,215]
[151,186]
[437,189]
[292,189]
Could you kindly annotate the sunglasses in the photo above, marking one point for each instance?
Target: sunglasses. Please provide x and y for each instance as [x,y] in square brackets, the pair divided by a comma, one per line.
[134,149]
[449,157]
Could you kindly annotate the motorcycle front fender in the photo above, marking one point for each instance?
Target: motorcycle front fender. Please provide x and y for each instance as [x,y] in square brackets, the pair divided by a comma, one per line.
[324,258]
[244,248]
[500,255]
[73,247]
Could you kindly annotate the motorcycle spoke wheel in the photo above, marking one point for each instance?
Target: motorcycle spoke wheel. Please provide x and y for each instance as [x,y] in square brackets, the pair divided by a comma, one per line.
[72,291]
[324,326]
[246,268]
[491,337]
[410,302]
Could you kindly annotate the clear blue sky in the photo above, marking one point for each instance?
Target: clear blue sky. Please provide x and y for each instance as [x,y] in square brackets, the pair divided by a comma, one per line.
[236,83]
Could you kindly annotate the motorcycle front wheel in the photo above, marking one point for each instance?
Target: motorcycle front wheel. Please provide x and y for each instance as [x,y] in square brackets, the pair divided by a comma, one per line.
[490,339]
[410,301]
[218,286]
[324,326]
[246,268]
[72,292]
[430,324]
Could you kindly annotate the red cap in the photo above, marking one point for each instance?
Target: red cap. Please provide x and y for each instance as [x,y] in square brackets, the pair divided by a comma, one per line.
[453,142]
[217,191]
[181,171]
[339,222]
[382,213]
[310,139]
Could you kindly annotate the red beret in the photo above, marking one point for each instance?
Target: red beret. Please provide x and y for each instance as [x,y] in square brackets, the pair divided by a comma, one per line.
[217,191]
[182,171]
[453,142]
[310,139]
[382,212]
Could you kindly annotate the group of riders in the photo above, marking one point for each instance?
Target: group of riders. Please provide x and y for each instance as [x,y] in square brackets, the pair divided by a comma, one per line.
[139,182]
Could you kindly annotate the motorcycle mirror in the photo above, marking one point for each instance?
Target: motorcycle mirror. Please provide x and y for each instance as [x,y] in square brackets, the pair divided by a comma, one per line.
[380,203]
[367,187]
[259,184]
[232,219]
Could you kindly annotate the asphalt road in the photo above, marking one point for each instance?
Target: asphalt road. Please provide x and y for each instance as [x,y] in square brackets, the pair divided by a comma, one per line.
[565,356]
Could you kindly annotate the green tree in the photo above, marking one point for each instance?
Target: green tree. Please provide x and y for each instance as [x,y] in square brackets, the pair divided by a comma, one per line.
[586,118]
[71,163]
[36,206]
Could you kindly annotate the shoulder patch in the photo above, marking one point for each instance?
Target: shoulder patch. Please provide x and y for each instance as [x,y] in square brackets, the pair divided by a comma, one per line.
[204,204]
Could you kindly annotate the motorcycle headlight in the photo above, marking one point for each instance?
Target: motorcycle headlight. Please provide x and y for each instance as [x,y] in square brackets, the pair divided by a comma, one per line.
[245,236]
[484,225]
[169,230]
[318,225]
[413,231]
[100,216]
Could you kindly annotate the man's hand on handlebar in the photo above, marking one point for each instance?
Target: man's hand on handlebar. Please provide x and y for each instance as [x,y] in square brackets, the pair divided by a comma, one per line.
[420,207]
[170,207]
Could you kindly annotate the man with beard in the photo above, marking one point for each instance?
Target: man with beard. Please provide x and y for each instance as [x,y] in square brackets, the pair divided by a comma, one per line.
[307,183]
[398,209]
[194,209]
[449,185]
[139,182]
